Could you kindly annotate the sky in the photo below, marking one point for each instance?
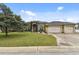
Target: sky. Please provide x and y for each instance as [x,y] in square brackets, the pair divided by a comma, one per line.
[67,12]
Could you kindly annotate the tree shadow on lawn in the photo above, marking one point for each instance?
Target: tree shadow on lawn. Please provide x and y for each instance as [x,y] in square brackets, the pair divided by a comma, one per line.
[11,35]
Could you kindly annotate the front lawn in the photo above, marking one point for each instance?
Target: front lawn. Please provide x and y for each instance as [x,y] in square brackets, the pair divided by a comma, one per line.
[26,39]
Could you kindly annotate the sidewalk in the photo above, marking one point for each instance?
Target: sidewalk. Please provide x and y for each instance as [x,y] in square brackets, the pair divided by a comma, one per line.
[58,50]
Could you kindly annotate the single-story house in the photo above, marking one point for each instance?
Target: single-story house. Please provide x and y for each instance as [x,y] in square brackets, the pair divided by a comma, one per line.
[52,27]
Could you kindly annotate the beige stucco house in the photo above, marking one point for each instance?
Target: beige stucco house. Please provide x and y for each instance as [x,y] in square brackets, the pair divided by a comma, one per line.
[52,27]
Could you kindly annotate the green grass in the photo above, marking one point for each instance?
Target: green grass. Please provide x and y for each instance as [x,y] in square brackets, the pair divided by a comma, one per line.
[26,39]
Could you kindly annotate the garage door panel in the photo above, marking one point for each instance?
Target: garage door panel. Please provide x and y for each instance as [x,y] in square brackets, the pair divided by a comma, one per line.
[54,29]
[68,29]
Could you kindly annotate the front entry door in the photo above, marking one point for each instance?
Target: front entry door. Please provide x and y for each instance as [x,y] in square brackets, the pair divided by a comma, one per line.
[34,27]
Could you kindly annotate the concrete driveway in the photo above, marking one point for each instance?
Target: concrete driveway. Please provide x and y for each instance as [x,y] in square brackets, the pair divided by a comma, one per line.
[67,39]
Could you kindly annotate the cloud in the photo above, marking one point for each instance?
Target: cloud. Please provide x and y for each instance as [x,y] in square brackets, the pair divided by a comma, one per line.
[29,13]
[71,16]
[71,20]
[60,8]
[22,11]
[29,19]
[32,19]
[60,20]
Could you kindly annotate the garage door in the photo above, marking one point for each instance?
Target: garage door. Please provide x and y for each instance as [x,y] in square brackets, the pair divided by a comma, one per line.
[54,29]
[68,29]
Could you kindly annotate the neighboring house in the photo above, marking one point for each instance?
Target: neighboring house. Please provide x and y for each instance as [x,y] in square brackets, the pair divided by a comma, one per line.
[52,27]
[77,27]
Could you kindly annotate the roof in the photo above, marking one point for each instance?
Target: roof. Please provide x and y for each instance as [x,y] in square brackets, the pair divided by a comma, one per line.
[54,23]
[60,23]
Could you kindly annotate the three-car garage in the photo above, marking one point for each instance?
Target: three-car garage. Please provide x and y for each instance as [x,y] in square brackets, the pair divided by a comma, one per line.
[68,28]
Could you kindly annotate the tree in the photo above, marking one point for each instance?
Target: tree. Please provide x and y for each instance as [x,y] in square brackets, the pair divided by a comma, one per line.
[6,18]
[17,17]
[2,24]
[10,21]
[6,10]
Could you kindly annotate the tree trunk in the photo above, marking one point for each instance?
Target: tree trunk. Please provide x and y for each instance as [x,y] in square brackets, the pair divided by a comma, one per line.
[6,31]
